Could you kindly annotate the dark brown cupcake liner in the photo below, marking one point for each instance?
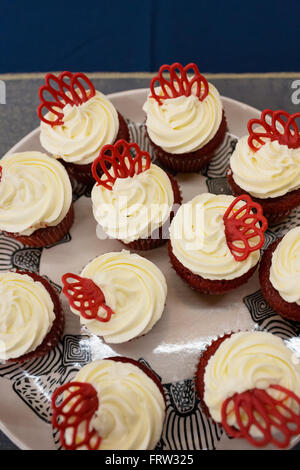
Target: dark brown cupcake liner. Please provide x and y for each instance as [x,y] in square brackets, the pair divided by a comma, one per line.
[83,173]
[56,332]
[275,209]
[150,243]
[46,236]
[207,286]
[288,310]
[191,162]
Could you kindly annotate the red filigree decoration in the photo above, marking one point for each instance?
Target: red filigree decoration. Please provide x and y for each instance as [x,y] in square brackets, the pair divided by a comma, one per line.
[118,161]
[77,409]
[244,223]
[277,125]
[70,92]
[179,84]
[258,408]
[86,297]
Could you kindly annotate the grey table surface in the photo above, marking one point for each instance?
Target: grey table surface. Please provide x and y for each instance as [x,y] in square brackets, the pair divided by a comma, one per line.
[18,115]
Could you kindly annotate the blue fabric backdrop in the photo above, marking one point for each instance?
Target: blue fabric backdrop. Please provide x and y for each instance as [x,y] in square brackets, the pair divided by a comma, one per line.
[140,35]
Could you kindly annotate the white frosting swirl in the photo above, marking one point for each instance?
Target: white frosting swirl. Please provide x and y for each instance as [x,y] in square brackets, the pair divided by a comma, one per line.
[245,361]
[26,314]
[86,129]
[198,240]
[285,267]
[131,407]
[184,124]
[272,171]
[35,192]
[134,288]
[136,206]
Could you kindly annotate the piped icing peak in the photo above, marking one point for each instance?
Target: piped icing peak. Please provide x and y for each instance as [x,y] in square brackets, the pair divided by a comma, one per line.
[133,199]
[26,314]
[86,128]
[185,115]
[198,239]
[35,192]
[266,162]
[124,160]
[69,89]
[178,83]
[274,125]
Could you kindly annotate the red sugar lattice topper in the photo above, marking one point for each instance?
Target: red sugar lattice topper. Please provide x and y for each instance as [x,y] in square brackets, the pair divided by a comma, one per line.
[117,161]
[179,84]
[277,125]
[69,90]
[86,297]
[76,410]
[244,223]
[256,407]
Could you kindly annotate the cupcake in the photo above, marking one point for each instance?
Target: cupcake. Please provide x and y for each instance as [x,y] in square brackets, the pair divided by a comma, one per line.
[120,405]
[279,275]
[123,296]
[31,317]
[266,164]
[249,383]
[185,120]
[215,241]
[79,122]
[133,199]
[36,199]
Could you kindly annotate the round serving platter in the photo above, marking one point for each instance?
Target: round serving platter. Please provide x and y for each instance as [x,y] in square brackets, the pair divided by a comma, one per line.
[190,320]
